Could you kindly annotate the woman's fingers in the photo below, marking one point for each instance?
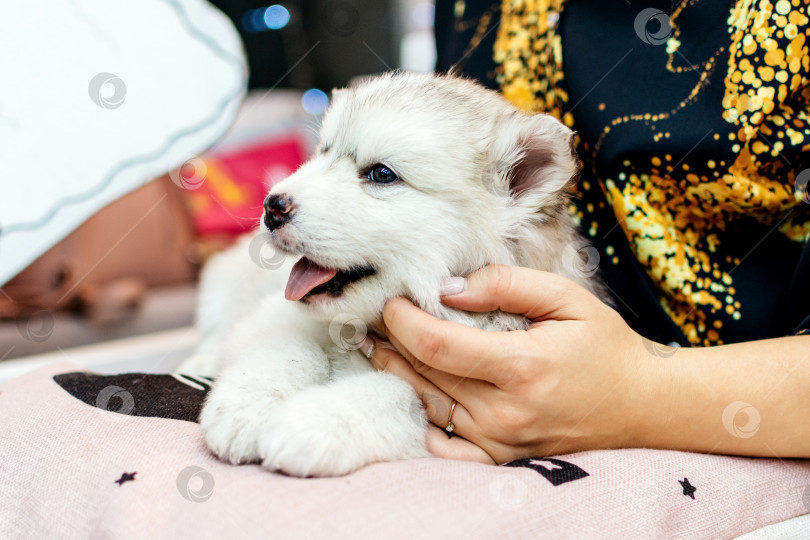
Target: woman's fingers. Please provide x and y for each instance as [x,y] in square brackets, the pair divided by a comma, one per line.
[388,359]
[536,295]
[478,354]
[451,347]
[440,445]
[437,403]
[452,385]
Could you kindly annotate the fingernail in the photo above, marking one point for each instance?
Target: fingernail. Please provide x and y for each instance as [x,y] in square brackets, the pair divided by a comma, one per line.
[453,285]
[366,346]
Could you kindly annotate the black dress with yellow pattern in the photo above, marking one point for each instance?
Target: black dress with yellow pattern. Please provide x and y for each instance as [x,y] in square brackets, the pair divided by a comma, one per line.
[693,122]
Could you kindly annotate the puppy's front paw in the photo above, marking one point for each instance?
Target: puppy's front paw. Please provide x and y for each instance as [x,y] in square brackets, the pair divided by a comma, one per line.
[232,426]
[325,431]
[307,438]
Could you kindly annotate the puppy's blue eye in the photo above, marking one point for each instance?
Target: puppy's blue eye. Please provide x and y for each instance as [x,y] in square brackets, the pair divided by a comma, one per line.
[381,174]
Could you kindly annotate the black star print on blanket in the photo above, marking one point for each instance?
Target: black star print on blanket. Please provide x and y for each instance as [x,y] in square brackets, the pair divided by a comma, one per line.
[126,477]
[688,489]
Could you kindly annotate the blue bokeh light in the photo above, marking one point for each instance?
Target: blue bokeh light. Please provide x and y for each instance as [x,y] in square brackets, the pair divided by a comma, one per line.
[276,17]
[314,101]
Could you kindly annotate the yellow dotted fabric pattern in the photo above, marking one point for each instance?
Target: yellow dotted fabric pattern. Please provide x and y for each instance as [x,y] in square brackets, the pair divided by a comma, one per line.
[673,212]
[528,51]
[766,99]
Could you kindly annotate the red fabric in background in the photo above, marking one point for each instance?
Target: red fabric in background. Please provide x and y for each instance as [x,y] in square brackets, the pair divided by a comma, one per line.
[228,201]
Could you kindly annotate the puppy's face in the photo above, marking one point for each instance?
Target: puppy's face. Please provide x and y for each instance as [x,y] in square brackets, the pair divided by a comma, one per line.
[416,178]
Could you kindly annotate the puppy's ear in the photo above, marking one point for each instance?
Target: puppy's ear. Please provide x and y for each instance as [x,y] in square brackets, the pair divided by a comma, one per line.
[533,157]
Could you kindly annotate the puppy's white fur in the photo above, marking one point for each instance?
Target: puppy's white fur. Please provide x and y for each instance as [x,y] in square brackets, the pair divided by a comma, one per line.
[480,183]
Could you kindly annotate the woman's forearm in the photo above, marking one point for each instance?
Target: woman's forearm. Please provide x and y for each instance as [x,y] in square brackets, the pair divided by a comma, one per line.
[746,399]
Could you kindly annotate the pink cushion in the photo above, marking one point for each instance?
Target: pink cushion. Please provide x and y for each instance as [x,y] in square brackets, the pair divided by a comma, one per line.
[72,469]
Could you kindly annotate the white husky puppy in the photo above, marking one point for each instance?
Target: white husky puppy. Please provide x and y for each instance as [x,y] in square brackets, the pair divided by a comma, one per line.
[416,178]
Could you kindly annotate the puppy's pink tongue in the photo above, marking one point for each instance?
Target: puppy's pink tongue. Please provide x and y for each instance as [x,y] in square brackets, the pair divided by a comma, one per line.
[305,276]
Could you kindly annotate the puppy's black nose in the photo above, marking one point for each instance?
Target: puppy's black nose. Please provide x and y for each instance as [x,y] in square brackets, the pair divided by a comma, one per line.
[278,209]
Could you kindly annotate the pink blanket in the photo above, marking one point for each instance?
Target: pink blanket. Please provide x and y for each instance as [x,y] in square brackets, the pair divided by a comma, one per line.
[90,456]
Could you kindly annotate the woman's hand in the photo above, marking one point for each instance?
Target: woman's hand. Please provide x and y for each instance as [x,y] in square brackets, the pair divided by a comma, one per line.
[575,380]
[581,379]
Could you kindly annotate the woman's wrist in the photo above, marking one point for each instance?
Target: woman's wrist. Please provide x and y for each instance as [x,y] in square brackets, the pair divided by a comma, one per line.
[743,399]
[656,388]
